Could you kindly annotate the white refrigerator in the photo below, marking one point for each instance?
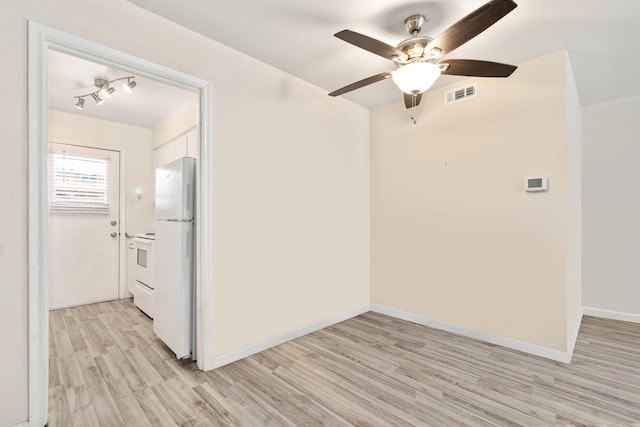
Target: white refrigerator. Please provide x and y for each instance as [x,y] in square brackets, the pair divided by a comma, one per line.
[174,256]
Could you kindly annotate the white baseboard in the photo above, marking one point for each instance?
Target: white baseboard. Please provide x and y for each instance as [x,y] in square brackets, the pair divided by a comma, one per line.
[534,349]
[232,356]
[63,306]
[537,350]
[24,424]
[611,314]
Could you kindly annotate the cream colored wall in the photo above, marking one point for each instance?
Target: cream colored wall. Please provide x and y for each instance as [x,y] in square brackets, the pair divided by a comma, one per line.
[176,124]
[611,206]
[292,238]
[135,141]
[290,179]
[454,236]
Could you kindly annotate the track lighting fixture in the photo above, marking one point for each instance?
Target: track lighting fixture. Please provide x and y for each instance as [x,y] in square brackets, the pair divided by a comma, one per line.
[105,90]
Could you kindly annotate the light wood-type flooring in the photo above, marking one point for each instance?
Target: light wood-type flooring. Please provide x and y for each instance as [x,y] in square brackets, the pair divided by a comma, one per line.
[108,369]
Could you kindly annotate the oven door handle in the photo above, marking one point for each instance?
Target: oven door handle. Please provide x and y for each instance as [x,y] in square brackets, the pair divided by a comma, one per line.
[141,243]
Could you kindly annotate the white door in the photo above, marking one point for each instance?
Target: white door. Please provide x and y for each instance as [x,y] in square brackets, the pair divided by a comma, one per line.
[84,225]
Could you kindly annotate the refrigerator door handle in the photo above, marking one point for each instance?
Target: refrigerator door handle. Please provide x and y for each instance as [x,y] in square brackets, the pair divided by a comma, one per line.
[189,244]
[188,201]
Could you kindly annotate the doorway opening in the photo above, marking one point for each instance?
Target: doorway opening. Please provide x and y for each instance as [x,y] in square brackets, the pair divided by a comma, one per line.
[42,40]
[148,123]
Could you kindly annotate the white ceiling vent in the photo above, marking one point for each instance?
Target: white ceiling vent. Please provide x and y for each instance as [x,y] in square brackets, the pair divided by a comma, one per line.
[460,94]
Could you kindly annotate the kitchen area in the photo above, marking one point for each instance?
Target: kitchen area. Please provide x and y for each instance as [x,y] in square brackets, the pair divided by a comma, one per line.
[161,264]
[148,253]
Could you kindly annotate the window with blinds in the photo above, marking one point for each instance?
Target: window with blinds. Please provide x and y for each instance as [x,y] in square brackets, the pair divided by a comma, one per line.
[78,182]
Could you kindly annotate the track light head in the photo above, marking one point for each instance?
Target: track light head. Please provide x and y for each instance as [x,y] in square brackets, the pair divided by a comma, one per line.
[96,98]
[80,104]
[128,87]
[106,91]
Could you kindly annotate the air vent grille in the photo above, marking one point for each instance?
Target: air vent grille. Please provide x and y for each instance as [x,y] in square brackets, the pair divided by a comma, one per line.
[460,94]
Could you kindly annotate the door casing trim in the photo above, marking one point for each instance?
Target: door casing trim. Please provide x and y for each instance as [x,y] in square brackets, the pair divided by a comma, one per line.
[40,39]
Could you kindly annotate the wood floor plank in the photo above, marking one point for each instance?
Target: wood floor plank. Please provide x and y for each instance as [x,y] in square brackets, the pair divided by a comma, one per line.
[107,368]
[176,408]
[90,372]
[131,412]
[253,410]
[82,411]
[104,406]
[292,403]
[120,363]
[378,380]
[155,413]
[145,369]
[55,376]
[128,407]
[71,375]
[204,413]
[56,321]
[62,342]
[59,411]
[226,413]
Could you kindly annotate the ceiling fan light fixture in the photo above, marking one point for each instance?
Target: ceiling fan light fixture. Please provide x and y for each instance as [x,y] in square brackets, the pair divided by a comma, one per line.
[416,77]
[416,57]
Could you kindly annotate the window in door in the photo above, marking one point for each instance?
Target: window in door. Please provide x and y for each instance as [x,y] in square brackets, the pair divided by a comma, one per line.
[78,182]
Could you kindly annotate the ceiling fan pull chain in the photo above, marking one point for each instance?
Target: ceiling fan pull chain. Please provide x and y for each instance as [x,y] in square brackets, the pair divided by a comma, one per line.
[412,116]
[414,104]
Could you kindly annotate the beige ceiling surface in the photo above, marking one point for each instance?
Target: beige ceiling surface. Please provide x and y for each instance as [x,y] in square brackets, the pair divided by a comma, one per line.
[297,37]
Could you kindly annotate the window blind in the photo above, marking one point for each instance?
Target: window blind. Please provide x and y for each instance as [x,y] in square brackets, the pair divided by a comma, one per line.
[78,182]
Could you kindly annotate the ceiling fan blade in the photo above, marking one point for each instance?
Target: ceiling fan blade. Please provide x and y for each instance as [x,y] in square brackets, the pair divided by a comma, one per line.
[472,25]
[372,45]
[361,83]
[471,67]
[411,101]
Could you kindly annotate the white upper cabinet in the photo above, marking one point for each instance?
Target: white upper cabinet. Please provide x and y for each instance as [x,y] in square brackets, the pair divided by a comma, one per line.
[184,145]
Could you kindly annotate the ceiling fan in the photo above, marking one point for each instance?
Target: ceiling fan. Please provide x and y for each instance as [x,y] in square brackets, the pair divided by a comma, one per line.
[419,57]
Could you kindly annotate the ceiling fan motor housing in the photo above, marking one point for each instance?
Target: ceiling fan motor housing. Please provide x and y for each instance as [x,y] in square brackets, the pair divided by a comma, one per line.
[415,48]
[415,23]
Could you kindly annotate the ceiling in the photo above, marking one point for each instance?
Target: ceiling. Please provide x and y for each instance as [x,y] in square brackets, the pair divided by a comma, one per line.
[297,37]
[148,105]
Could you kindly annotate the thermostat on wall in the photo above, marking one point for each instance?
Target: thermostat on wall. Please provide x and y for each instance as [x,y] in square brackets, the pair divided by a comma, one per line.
[536,183]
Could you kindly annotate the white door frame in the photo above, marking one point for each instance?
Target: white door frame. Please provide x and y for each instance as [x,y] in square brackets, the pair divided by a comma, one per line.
[41,39]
